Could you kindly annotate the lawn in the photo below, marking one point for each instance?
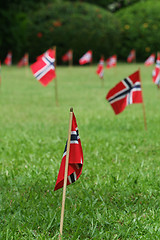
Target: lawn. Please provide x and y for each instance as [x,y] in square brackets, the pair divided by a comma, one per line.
[118,194]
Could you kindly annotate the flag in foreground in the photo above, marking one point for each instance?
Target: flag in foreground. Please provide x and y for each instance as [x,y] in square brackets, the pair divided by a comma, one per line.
[75,159]
[150,60]
[44,68]
[67,56]
[86,58]
[23,61]
[111,61]
[131,56]
[126,92]
[8,59]
[156,72]
[100,68]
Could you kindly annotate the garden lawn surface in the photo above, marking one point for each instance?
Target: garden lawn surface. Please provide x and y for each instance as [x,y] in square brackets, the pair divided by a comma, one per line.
[118,193]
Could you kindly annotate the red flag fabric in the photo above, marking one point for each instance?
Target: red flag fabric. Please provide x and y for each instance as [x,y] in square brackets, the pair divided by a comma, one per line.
[8,59]
[23,61]
[111,61]
[75,159]
[150,60]
[131,56]
[156,72]
[86,58]
[67,56]
[44,68]
[126,92]
[100,68]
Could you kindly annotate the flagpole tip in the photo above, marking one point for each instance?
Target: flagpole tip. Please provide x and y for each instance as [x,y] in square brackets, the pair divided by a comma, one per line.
[71,109]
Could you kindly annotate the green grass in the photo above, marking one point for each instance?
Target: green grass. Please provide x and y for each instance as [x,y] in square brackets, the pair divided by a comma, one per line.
[118,193]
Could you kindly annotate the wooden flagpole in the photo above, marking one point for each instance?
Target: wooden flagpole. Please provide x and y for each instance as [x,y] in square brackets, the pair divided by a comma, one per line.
[66,173]
[143,106]
[55,80]
[102,81]
[71,60]
[26,66]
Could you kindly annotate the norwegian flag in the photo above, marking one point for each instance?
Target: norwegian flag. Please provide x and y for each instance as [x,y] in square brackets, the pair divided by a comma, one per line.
[23,61]
[86,58]
[111,61]
[126,92]
[75,159]
[44,68]
[8,59]
[67,56]
[131,56]
[156,72]
[150,60]
[100,68]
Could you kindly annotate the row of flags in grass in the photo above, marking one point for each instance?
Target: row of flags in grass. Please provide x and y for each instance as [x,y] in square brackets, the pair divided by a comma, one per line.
[44,70]
[24,61]
[86,58]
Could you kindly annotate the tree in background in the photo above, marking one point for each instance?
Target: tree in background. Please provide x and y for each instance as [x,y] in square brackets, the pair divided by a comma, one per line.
[140,26]
[80,26]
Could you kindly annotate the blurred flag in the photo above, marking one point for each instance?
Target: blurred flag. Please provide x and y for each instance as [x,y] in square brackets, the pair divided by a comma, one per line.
[86,58]
[150,60]
[23,61]
[126,92]
[111,61]
[44,68]
[156,72]
[100,68]
[131,56]
[67,56]
[75,159]
[8,59]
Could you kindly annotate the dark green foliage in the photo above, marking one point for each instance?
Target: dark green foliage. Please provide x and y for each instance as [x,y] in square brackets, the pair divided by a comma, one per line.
[79,26]
[140,26]
[13,22]
[111,5]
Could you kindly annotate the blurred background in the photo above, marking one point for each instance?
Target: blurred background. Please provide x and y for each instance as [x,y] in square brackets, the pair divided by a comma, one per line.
[105,26]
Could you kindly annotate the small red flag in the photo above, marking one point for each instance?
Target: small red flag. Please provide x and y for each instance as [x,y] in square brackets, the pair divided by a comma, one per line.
[131,56]
[86,58]
[126,92]
[8,59]
[67,56]
[44,68]
[156,72]
[100,68]
[23,61]
[150,60]
[111,62]
[75,159]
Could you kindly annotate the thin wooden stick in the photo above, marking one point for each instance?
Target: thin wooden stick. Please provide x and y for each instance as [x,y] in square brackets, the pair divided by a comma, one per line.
[102,81]
[66,173]
[26,66]
[143,106]
[71,60]
[55,80]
